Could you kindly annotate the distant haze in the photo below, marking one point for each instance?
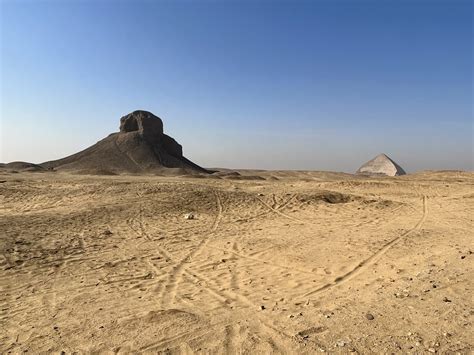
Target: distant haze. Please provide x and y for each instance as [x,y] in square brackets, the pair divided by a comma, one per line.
[320,85]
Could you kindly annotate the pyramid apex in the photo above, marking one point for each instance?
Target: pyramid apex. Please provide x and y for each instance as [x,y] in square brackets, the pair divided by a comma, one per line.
[382,164]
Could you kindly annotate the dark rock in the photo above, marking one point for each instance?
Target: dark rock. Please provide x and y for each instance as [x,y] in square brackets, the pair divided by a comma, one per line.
[141,121]
[23,166]
[369,316]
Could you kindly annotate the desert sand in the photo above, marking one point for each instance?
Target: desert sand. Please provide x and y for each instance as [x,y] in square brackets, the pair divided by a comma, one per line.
[291,262]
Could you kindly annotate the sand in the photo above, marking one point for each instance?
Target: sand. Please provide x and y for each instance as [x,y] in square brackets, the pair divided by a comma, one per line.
[301,262]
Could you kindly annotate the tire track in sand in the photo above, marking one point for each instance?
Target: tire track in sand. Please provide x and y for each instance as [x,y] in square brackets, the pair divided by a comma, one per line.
[168,295]
[227,298]
[277,211]
[364,264]
[268,211]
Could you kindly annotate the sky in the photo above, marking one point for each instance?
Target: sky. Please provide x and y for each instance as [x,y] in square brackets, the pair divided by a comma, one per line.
[314,85]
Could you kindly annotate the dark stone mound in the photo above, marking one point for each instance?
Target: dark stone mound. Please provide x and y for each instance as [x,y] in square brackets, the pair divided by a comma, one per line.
[22,166]
[227,173]
[330,197]
[244,177]
[139,147]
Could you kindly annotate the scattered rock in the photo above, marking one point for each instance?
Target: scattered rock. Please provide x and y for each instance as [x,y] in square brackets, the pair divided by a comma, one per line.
[431,350]
[313,330]
[148,276]
[328,314]
[340,343]
[446,299]
[189,216]
[369,316]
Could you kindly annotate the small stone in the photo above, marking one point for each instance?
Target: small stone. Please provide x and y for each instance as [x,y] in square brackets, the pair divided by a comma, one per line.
[369,316]
[340,343]
[262,307]
[189,216]
[431,350]
[446,299]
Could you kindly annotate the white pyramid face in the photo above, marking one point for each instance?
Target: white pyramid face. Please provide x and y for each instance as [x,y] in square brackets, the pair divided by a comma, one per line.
[381,165]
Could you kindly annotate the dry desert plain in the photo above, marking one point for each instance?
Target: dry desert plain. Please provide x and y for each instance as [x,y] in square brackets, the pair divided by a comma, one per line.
[300,262]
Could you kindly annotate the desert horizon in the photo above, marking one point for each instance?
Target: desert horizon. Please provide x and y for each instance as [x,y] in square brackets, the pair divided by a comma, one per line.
[162,155]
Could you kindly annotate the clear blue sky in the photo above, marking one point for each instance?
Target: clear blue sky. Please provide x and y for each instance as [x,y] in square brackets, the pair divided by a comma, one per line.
[322,85]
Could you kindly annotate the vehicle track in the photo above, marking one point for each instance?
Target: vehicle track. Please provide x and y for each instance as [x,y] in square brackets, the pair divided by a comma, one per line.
[226,297]
[260,261]
[363,265]
[175,278]
[277,211]
[276,207]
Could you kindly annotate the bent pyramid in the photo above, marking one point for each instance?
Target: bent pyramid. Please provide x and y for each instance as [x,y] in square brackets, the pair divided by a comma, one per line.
[381,165]
[139,147]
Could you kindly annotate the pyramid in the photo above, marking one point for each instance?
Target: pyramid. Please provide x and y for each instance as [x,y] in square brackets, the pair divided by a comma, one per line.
[139,147]
[381,165]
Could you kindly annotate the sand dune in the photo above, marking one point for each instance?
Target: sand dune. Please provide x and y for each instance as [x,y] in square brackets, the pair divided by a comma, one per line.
[299,262]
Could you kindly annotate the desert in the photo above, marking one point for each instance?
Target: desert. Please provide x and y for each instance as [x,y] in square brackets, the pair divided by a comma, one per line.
[293,262]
